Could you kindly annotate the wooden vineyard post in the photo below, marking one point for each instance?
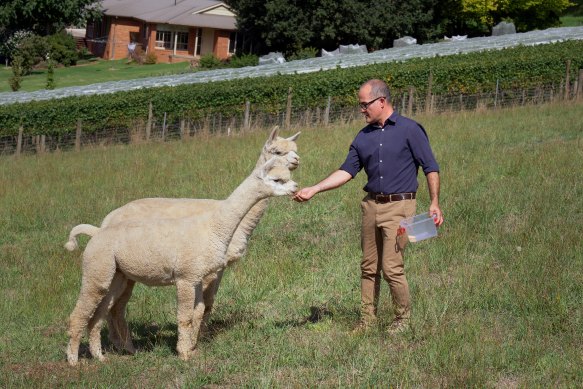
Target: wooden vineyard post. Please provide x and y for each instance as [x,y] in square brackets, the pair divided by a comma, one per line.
[288,109]
[78,136]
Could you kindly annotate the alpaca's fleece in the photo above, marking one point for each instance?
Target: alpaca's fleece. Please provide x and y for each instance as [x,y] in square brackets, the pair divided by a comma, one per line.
[181,252]
[284,150]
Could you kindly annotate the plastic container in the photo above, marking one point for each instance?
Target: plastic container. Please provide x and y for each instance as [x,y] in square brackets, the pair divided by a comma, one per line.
[419,227]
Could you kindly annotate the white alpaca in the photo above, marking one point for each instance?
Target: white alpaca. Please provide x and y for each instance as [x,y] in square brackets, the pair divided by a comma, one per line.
[164,252]
[285,152]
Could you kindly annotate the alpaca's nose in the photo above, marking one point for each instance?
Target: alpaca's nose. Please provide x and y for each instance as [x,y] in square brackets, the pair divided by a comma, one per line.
[294,159]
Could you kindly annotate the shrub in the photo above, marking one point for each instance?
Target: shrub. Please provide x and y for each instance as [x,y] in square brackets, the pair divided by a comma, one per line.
[16,77]
[33,50]
[51,74]
[303,53]
[209,61]
[243,60]
[150,58]
[63,49]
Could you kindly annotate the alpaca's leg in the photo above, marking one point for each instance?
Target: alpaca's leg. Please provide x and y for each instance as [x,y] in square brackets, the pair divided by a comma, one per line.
[186,298]
[199,311]
[210,288]
[94,287]
[119,333]
[117,287]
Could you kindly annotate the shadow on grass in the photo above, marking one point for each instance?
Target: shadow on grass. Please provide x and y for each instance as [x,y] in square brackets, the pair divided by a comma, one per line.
[147,336]
[315,315]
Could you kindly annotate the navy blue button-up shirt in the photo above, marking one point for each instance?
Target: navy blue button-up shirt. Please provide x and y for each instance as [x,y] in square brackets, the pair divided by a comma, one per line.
[391,155]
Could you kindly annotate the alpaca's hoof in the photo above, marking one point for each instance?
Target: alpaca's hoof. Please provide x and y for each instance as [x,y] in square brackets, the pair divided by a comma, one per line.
[185,356]
[72,360]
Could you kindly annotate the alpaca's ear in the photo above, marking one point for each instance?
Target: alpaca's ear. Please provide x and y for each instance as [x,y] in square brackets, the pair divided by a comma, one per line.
[294,137]
[273,135]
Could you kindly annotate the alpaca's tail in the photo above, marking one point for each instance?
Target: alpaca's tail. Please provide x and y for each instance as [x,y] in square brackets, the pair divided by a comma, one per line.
[86,229]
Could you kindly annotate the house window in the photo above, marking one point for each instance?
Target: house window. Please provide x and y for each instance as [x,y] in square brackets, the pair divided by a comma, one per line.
[198,41]
[163,39]
[181,40]
[233,42]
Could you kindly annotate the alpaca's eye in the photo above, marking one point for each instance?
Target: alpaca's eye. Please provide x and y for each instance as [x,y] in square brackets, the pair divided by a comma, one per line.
[280,181]
[279,152]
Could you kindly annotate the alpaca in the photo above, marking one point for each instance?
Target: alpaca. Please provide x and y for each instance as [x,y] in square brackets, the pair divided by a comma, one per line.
[285,152]
[180,251]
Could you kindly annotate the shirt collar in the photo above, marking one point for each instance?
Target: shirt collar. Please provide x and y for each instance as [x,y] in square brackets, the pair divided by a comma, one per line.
[391,121]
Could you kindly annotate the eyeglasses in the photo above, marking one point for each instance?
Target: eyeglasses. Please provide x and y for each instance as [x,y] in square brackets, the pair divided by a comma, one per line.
[365,106]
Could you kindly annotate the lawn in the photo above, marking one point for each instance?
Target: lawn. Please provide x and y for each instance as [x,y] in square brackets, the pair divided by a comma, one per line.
[496,296]
[571,21]
[91,72]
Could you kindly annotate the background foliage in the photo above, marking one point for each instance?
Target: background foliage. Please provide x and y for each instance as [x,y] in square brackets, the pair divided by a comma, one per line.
[288,26]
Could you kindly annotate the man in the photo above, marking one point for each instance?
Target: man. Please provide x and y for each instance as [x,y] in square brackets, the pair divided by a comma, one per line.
[390,148]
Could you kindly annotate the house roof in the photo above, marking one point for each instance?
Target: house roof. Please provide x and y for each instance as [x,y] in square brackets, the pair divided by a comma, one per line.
[196,13]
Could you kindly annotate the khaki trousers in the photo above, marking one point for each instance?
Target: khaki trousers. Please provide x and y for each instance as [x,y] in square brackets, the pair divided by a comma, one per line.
[383,252]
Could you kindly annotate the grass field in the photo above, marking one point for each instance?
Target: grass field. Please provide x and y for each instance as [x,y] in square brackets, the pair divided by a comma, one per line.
[90,72]
[497,297]
[571,21]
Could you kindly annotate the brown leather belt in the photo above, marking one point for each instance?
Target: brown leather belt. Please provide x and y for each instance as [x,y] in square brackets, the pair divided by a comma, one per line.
[389,198]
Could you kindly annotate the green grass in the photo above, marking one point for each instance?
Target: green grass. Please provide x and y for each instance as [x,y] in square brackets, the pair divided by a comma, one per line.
[90,72]
[496,297]
[571,21]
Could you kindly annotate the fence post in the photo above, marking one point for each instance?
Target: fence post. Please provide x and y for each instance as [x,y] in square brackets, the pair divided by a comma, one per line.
[327,111]
[43,143]
[19,141]
[246,121]
[496,95]
[410,101]
[429,87]
[78,136]
[164,128]
[567,84]
[182,134]
[288,109]
[580,85]
[149,123]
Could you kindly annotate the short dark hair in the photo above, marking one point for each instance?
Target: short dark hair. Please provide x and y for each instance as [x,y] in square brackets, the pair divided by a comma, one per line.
[378,88]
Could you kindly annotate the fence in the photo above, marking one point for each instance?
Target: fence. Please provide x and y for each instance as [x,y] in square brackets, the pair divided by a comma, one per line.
[153,128]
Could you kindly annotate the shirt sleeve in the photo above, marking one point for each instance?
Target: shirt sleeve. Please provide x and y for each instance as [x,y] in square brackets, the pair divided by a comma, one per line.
[421,149]
[352,165]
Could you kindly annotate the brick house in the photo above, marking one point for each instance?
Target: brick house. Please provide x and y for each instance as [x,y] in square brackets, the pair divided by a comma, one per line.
[175,30]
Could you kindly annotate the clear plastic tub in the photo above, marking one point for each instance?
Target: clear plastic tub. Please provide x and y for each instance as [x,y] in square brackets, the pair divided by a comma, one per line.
[419,227]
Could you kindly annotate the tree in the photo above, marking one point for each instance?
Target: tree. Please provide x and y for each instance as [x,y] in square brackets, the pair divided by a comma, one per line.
[289,25]
[42,17]
[533,14]
[45,17]
[480,15]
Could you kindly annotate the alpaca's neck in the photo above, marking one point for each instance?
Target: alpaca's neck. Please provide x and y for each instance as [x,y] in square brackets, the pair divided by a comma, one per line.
[234,208]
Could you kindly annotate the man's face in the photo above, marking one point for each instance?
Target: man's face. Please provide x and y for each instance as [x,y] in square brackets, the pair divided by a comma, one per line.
[370,106]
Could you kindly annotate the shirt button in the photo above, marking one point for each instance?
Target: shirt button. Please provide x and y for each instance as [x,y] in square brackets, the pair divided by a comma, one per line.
[381,144]
[381,161]
[381,177]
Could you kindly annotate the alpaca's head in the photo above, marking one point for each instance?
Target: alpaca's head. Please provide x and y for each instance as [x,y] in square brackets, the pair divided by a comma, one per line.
[284,149]
[276,179]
